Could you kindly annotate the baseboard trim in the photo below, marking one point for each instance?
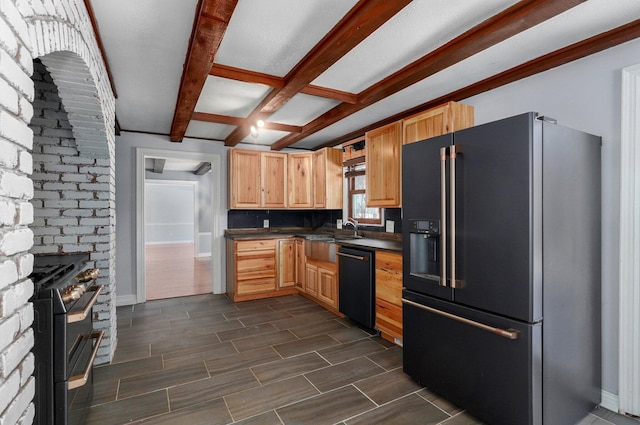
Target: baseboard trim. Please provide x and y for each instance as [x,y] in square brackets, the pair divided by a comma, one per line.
[125,300]
[610,401]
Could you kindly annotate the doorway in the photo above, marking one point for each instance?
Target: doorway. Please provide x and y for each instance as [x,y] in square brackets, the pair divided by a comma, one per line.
[174,266]
[178,202]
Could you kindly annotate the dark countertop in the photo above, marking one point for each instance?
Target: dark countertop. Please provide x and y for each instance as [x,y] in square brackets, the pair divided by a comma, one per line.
[386,241]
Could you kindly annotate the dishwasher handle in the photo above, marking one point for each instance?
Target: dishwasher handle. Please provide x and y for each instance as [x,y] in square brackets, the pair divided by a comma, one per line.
[355,257]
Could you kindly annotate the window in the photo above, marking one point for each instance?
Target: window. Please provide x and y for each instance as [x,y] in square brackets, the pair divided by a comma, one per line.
[356,197]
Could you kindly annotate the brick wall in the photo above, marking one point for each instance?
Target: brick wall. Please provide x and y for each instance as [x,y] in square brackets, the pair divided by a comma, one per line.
[60,33]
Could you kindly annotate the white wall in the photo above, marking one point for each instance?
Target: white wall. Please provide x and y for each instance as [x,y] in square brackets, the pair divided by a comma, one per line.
[585,95]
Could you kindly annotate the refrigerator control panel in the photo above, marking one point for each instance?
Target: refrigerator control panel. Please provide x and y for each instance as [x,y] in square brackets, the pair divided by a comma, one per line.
[430,227]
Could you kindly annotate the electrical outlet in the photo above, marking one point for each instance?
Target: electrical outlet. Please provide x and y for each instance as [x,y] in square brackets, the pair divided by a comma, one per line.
[390,226]
[339,223]
[265,223]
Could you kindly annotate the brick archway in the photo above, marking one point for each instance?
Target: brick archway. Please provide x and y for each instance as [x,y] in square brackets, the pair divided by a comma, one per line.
[63,40]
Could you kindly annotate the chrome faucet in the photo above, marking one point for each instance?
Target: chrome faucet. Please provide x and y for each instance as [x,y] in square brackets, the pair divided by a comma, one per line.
[354,223]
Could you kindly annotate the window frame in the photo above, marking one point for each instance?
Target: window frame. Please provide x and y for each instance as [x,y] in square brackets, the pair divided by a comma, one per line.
[350,176]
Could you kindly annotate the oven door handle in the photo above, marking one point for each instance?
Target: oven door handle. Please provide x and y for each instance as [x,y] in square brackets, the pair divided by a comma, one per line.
[78,316]
[77,381]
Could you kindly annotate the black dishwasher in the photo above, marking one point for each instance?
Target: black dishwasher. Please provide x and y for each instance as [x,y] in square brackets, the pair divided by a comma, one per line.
[357,287]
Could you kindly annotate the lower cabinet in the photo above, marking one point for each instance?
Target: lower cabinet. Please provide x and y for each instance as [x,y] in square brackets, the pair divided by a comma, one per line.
[300,264]
[389,295]
[253,268]
[322,282]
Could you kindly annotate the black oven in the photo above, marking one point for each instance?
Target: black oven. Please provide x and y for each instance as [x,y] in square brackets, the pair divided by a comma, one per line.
[65,344]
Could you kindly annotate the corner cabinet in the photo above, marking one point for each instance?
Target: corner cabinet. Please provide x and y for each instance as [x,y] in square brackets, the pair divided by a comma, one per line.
[388,272]
[383,162]
[443,119]
[300,180]
[286,263]
[327,179]
[257,179]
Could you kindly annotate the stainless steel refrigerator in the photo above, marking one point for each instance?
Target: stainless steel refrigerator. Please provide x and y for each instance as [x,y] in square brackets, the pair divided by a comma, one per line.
[501,271]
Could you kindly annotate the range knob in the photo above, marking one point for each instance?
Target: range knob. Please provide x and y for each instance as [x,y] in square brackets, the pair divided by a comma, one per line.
[72,293]
[87,275]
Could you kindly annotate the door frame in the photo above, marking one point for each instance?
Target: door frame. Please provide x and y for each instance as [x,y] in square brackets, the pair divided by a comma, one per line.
[629,284]
[217,236]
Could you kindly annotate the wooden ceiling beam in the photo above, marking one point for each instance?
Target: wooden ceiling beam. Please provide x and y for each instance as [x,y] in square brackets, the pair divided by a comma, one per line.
[513,20]
[246,76]
[237,122]
[361,21]
[543,63]
[210,23]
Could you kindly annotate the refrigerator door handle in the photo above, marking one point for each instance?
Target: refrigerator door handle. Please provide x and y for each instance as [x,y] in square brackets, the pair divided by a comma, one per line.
[444,155]
[505,333]
[454,151]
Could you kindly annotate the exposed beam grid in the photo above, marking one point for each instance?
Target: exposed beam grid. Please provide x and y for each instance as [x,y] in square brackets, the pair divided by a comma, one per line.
[247,76]
[513,20]
[237,122]
[361,21]
[543,63]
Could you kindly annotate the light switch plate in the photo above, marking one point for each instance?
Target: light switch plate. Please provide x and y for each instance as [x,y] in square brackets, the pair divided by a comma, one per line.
[339,223]
[391,225]
[265,223]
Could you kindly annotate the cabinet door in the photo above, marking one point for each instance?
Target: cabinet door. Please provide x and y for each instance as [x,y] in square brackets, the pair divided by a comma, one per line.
[311,279]
[436,121]
[286,263]
[431,123]
[327,286]
[320,179]
[389,294]
[300,264]
[383,166]
[244,179]
[274,179]
[328,178]
[300,180]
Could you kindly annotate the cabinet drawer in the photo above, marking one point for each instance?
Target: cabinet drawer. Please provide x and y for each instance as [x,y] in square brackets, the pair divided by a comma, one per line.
[389,318]
[257,285]
[254,245]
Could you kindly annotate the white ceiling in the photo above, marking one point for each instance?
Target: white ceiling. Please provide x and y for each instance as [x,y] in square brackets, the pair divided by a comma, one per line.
[146,43]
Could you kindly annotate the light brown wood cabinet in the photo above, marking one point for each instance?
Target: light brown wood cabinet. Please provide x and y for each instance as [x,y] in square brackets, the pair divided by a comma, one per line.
[383,162]
[286,263]
[245,179]
[300,180]
[327,178]
[274,179]
[311,279]
[254,268]
[443,119]
[300,264]
[257,179]
[322,282]
[388,272]
[327,286]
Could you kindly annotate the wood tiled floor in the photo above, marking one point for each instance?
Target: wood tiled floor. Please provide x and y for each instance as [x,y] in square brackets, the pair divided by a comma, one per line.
[204,360]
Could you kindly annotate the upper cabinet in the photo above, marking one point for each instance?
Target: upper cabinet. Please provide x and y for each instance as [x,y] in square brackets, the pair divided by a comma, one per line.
[443,119]
[327,179]
[300,180]
[257,179]
[383,157]
[274,180]
[383,166]
[277,180]
[245,179]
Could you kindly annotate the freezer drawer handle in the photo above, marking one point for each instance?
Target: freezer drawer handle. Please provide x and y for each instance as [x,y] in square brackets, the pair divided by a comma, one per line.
[355,257]
[505,333]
